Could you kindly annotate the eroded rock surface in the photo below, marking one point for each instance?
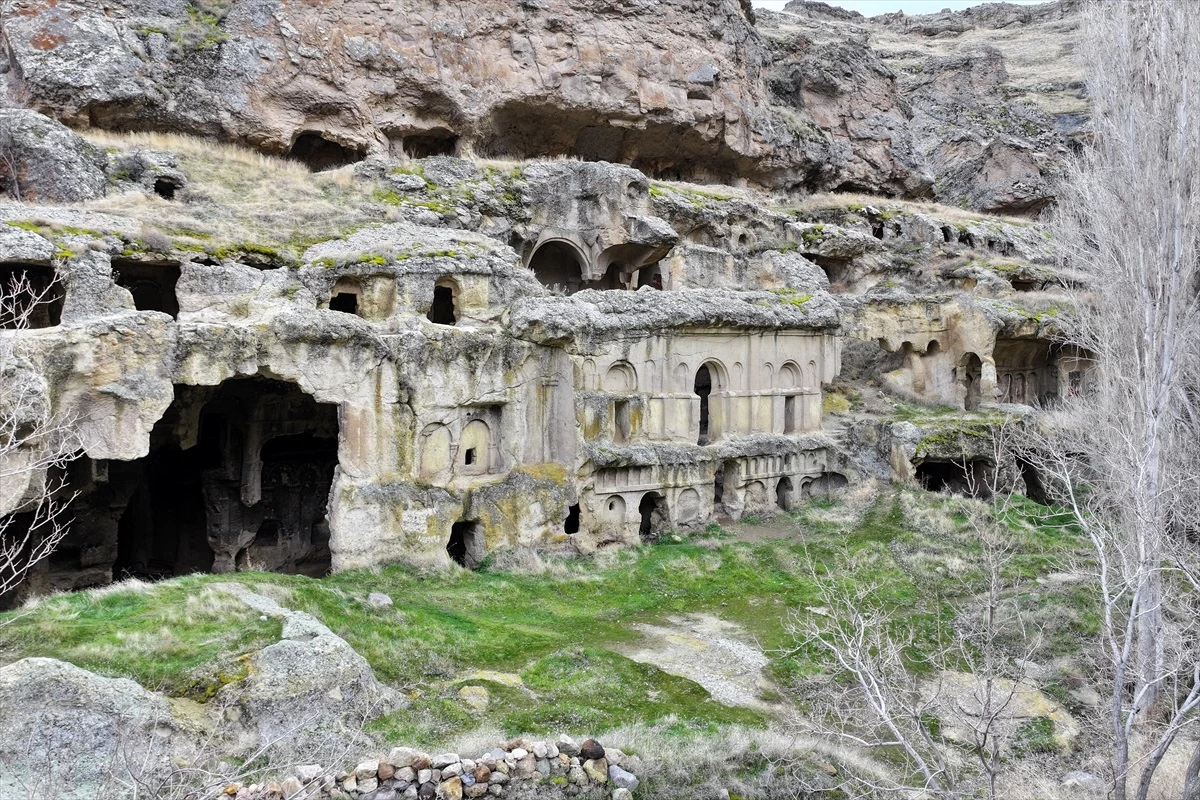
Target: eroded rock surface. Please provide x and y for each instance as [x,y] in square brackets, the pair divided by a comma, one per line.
[960,107]
[66,732]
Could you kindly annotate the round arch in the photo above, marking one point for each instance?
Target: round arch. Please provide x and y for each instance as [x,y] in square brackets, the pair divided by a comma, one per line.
[558,264]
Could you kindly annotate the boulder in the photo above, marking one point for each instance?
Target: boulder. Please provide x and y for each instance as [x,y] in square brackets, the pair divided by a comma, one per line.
[305,694]
[43,160]
[68,733]
[621,778]
[591,749]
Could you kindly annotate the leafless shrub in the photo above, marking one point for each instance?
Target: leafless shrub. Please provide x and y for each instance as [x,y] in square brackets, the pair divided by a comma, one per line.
[874,696]
[35,443]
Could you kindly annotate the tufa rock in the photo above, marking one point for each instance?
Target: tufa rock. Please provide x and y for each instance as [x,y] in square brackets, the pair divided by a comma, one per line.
[43,160]
[622,779]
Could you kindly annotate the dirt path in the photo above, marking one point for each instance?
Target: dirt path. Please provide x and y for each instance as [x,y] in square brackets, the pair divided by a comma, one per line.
[716,654]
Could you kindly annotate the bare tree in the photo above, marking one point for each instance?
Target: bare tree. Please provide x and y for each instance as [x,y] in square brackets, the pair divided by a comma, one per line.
[873,665]
[35,443]
[1123,455]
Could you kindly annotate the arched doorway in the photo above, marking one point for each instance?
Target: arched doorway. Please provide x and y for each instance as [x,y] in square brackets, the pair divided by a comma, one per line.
[703,387]
[654,517]
[970,374]
[558,266]
[783,494]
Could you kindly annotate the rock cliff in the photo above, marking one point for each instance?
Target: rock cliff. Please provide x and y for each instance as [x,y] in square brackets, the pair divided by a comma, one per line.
[957,108]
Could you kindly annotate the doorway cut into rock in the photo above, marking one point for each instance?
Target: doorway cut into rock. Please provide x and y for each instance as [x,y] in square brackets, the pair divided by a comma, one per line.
[970,477]
[703,387]
[654,517]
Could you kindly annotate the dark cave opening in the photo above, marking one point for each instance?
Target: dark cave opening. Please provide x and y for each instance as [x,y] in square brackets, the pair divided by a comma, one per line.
[654,518]
[571,523]
[31,296]
[970,477]
[165,188]
[345,302]
[466,545]
[443,310]
[152,285]
[556,265]
[703,387]
[433,143]
[249,492]
[320,154]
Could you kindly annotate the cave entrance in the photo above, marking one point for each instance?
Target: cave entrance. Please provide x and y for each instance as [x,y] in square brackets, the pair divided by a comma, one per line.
[31,296]
[166,188]
[444,309]
[238,477]
[703,387]
[1035,489]
[654,516]
[152,285]
[783,494]
[319,154]
[970,477]
[558,266]
[427,145]
[466,545]
[571,523]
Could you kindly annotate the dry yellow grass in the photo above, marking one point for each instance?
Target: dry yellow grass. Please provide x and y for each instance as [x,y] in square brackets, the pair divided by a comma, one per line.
[237,196]
[824,200]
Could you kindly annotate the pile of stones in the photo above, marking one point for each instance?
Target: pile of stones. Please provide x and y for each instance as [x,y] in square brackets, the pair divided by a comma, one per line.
[575,770]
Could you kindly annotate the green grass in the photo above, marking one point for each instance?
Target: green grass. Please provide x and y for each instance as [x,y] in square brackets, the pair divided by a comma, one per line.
[560,630]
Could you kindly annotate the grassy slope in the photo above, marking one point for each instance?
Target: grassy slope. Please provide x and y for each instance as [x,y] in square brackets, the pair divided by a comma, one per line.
[552,628]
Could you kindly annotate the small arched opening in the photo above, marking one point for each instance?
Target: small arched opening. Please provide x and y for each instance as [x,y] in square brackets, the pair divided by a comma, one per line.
[826,485]
[444,308]
[654,517]
[319,154]
[707,380]
[466,546]
[783,494]
[571,523]
[558,266]
[970,369]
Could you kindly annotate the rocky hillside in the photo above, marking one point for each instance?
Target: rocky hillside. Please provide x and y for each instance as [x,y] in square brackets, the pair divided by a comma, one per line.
[436,380]
[974,110]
